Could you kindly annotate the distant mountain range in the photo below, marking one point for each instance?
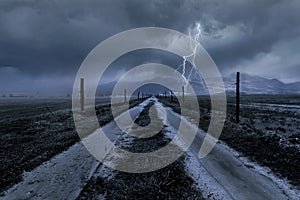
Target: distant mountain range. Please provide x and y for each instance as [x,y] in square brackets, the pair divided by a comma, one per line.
[258,85]
[250,84]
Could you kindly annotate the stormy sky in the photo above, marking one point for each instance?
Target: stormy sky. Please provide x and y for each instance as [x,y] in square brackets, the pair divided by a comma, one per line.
[43,43]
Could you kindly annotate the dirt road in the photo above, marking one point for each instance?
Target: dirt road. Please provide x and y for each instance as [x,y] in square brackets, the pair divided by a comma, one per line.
[240,181]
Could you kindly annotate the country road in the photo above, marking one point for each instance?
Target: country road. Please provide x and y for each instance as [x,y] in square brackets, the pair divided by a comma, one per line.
[65,175]
[238,180]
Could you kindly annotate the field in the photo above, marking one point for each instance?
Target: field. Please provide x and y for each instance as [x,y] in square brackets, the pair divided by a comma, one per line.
[35,130]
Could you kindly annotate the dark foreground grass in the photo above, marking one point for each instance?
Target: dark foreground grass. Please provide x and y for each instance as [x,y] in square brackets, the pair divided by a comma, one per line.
[29,139]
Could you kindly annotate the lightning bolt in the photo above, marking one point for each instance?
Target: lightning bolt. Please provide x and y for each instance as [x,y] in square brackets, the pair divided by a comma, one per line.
[183,65]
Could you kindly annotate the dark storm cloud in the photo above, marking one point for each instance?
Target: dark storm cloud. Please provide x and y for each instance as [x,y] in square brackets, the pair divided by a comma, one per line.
[263,23]
[53,36]
[41,38]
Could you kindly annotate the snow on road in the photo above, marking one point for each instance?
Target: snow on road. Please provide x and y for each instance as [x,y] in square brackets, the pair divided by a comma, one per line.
[62,176]
[229,173]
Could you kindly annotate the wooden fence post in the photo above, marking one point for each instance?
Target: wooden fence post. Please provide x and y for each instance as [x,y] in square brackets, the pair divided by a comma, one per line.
[182,93]
[82,94]
[125,95]
[237,108]
[171,93]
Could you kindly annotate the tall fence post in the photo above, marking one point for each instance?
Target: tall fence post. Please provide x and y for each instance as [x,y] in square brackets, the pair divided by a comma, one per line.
[182,93]
[125,95]
[82,94]
[171,93]
[237,108]
[139,95]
